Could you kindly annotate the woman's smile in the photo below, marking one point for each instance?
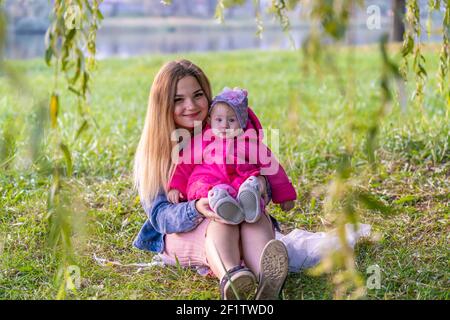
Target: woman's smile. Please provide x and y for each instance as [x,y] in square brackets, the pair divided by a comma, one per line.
[192,115]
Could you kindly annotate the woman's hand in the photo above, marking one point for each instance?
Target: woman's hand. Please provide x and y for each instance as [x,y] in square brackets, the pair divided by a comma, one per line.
[286,206]
[202,206]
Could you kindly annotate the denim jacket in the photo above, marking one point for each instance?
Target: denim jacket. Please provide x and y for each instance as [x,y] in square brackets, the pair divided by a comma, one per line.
[166,217]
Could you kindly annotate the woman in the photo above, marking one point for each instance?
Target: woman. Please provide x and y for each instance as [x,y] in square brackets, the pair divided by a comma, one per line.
[189,231]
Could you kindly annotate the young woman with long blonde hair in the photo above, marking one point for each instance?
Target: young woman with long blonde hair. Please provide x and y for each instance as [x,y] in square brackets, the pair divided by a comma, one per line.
[190,231]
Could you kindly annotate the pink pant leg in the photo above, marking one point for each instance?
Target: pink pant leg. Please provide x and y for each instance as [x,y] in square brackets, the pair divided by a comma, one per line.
[200,188]
[232,191]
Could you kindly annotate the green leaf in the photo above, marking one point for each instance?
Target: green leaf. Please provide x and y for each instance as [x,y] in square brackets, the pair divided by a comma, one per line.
[422,70]
[77,72]
[371,203]
[84,82]
[69,37]
[78,93]
[408,46]
[99,15]
[219,12]
[48,55]
[406,199]
[67,157]
[83,127]
[88,6]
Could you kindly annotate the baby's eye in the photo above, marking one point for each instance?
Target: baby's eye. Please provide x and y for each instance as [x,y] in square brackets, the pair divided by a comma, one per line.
[232,120]
[218,119]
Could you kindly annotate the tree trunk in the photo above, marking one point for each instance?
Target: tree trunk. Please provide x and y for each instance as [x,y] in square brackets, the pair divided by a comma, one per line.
[399,9]
[211,8]
[115,9]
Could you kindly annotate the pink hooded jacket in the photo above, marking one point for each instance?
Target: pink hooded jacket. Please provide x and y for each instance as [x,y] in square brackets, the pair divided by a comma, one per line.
[208,161]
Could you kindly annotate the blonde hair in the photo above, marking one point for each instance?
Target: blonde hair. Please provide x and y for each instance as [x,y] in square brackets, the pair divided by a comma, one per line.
[153,164]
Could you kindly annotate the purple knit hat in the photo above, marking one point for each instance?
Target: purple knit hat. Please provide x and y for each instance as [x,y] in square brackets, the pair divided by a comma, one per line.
[237,99]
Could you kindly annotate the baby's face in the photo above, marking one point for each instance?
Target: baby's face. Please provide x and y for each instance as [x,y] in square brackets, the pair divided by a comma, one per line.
[224,121]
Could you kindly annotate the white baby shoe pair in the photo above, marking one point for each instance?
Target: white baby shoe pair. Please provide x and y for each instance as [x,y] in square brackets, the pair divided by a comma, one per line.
[246,207]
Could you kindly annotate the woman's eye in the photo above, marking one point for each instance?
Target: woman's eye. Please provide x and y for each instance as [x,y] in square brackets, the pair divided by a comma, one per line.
[178,100]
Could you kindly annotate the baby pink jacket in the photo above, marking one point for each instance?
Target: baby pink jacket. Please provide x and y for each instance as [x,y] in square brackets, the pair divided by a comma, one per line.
[208,161]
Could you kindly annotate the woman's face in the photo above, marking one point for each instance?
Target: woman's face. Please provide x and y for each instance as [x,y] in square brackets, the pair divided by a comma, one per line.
[191,103]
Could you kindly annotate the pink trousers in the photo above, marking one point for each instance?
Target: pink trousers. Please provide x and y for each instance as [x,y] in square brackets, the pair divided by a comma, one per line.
[189,247]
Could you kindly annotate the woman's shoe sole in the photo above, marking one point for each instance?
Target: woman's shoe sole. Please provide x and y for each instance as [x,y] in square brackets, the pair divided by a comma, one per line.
[244,283]
[274,266]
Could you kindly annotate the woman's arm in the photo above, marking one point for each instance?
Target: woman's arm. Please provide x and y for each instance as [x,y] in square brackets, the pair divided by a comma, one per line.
[167,217]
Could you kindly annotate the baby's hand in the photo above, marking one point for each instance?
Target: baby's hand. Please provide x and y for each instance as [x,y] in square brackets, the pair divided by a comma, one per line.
[174,196]
[286,206]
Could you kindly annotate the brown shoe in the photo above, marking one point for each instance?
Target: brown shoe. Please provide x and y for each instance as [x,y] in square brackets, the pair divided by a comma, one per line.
[274,266]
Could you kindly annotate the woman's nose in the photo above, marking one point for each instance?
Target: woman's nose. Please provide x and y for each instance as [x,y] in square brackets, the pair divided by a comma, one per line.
[189,104]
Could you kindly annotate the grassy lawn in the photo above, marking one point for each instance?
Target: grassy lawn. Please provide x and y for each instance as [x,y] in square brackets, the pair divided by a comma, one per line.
[309,110]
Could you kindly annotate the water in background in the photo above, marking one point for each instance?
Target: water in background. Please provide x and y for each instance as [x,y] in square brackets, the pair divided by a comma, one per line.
[138,42]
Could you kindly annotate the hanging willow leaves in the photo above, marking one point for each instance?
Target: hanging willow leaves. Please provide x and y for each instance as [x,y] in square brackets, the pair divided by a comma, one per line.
[279,10]
[413,46]
[73,28]
[258,18]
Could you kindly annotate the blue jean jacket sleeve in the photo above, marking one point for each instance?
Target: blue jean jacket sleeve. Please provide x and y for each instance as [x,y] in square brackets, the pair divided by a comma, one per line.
[163,218]
[167,217]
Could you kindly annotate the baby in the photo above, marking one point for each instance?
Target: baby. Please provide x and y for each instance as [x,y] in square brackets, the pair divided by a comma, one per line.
[229,179]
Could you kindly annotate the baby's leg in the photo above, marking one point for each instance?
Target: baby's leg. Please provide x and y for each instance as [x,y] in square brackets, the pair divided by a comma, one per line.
[232,191]
[198,189]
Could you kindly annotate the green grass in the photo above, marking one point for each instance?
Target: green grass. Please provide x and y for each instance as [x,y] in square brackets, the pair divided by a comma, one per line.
[412,175]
